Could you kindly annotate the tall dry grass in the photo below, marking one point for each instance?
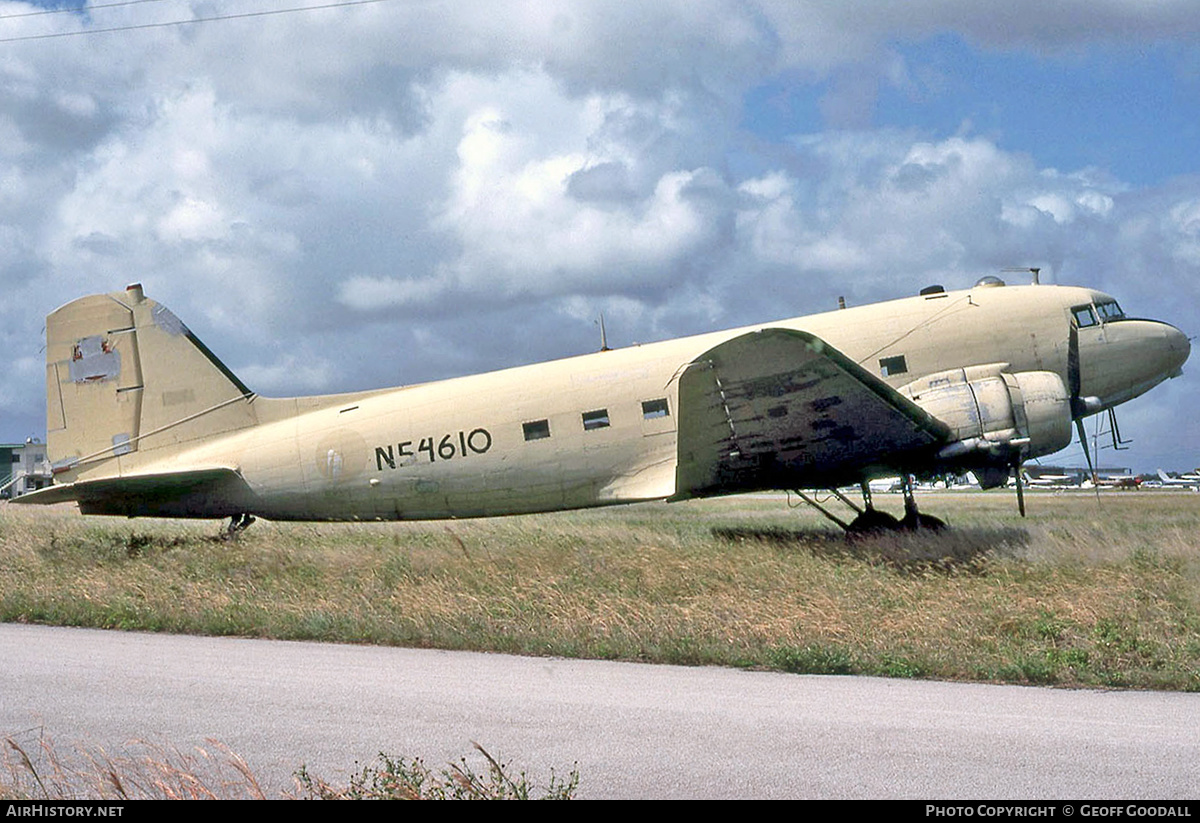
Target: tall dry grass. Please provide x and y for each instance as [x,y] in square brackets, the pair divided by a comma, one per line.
[1080,593]
[37,770]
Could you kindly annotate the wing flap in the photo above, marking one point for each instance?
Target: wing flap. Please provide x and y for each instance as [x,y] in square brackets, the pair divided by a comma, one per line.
[779,408]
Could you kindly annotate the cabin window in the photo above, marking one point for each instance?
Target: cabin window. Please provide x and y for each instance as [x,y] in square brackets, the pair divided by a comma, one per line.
[889,366]
[537,430]
[597,419]
[1109,311]
[654,409]
[1084,316]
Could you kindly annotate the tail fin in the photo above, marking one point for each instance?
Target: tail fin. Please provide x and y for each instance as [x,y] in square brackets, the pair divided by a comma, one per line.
[125,377]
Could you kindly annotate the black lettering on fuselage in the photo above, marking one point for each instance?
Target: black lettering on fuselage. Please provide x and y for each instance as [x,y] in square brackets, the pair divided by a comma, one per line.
[382,456]
[450,446]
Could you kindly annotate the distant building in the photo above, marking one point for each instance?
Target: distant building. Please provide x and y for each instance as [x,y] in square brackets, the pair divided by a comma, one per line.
[23,467]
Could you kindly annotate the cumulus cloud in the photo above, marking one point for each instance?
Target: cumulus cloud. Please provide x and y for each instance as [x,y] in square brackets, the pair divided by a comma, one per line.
[466,186]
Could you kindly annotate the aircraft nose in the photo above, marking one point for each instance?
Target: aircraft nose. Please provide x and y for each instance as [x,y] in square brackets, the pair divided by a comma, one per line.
[1136,357]
[1177,349]
[1159,349]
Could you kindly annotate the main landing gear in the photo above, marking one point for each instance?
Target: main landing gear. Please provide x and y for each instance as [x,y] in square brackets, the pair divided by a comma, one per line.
[237,524]
[869,519]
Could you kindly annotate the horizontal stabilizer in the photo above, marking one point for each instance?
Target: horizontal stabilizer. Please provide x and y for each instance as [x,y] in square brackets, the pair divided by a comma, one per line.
[210,492]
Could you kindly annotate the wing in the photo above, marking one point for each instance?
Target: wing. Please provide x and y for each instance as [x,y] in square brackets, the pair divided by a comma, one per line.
[208,492]
[781,409]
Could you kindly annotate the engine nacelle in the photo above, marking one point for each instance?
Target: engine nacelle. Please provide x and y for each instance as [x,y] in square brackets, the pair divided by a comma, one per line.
[993,413]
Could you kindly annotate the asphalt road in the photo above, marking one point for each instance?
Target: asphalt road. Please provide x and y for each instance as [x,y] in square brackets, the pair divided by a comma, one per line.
[632,730]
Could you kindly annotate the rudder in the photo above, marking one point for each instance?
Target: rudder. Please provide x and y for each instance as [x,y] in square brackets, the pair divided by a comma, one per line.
[127,380]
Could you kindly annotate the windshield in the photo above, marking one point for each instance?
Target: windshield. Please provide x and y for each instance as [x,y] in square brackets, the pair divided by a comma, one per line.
[1083,316]
[1109,310]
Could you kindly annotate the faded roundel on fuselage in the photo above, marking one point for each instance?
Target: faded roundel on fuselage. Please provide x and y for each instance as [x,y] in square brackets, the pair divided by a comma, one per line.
[341,455]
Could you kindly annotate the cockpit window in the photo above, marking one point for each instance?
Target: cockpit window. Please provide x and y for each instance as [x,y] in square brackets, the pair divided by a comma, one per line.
[1109,311]
[1083,316]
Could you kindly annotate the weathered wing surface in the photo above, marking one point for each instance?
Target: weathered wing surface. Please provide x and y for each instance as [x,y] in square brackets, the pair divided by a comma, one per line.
[781,409]
[208,492]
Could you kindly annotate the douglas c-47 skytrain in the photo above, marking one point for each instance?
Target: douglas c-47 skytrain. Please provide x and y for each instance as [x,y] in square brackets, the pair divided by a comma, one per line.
[144,420]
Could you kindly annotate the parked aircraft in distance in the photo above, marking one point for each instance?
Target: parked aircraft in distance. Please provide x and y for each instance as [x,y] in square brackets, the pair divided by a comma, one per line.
[1119,482]
[144,420]
[1052,481]
[886,485]
[1191,481]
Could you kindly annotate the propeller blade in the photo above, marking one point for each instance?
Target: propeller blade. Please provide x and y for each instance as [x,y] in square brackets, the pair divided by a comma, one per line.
[1020,488]
[1073,379]
[1087,453]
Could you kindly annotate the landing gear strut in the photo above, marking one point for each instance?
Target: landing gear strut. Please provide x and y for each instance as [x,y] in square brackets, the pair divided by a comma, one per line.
[237,524]
[870,519]
[913,519]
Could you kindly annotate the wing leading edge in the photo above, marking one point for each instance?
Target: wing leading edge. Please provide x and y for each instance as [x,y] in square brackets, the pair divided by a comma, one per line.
[781,409]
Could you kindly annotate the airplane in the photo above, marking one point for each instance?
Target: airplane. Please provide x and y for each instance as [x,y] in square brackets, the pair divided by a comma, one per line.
[886,485]
[1189,481]
[1050,481]
[144,420]
[1119,482]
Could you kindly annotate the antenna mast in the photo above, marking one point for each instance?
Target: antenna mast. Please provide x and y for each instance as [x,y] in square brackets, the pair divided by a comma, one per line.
[1033,270]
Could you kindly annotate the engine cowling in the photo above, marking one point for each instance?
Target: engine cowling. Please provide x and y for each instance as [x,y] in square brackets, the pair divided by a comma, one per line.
[993,413]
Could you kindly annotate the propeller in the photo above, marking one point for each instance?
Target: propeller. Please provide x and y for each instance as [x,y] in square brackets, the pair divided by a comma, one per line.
[1073,379]
[1080,407]
[1086,452]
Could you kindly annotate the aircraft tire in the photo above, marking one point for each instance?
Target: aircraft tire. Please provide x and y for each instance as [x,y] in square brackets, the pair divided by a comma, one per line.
[917,520]
[871,521]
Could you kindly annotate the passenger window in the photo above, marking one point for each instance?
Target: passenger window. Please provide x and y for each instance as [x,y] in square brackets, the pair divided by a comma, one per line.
[1084,316]
[889,366]
[593,420]
[653,409]
[537,430]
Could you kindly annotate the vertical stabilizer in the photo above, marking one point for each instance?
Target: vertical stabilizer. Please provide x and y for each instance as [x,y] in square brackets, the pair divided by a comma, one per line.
[126,381]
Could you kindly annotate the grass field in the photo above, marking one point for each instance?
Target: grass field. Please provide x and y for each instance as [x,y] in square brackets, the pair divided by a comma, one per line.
[1079,594]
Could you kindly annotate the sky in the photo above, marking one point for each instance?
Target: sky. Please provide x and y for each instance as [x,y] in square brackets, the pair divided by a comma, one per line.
[391,192]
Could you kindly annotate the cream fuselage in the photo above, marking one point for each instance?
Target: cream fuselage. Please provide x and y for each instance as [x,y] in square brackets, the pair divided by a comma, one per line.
[463,447]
